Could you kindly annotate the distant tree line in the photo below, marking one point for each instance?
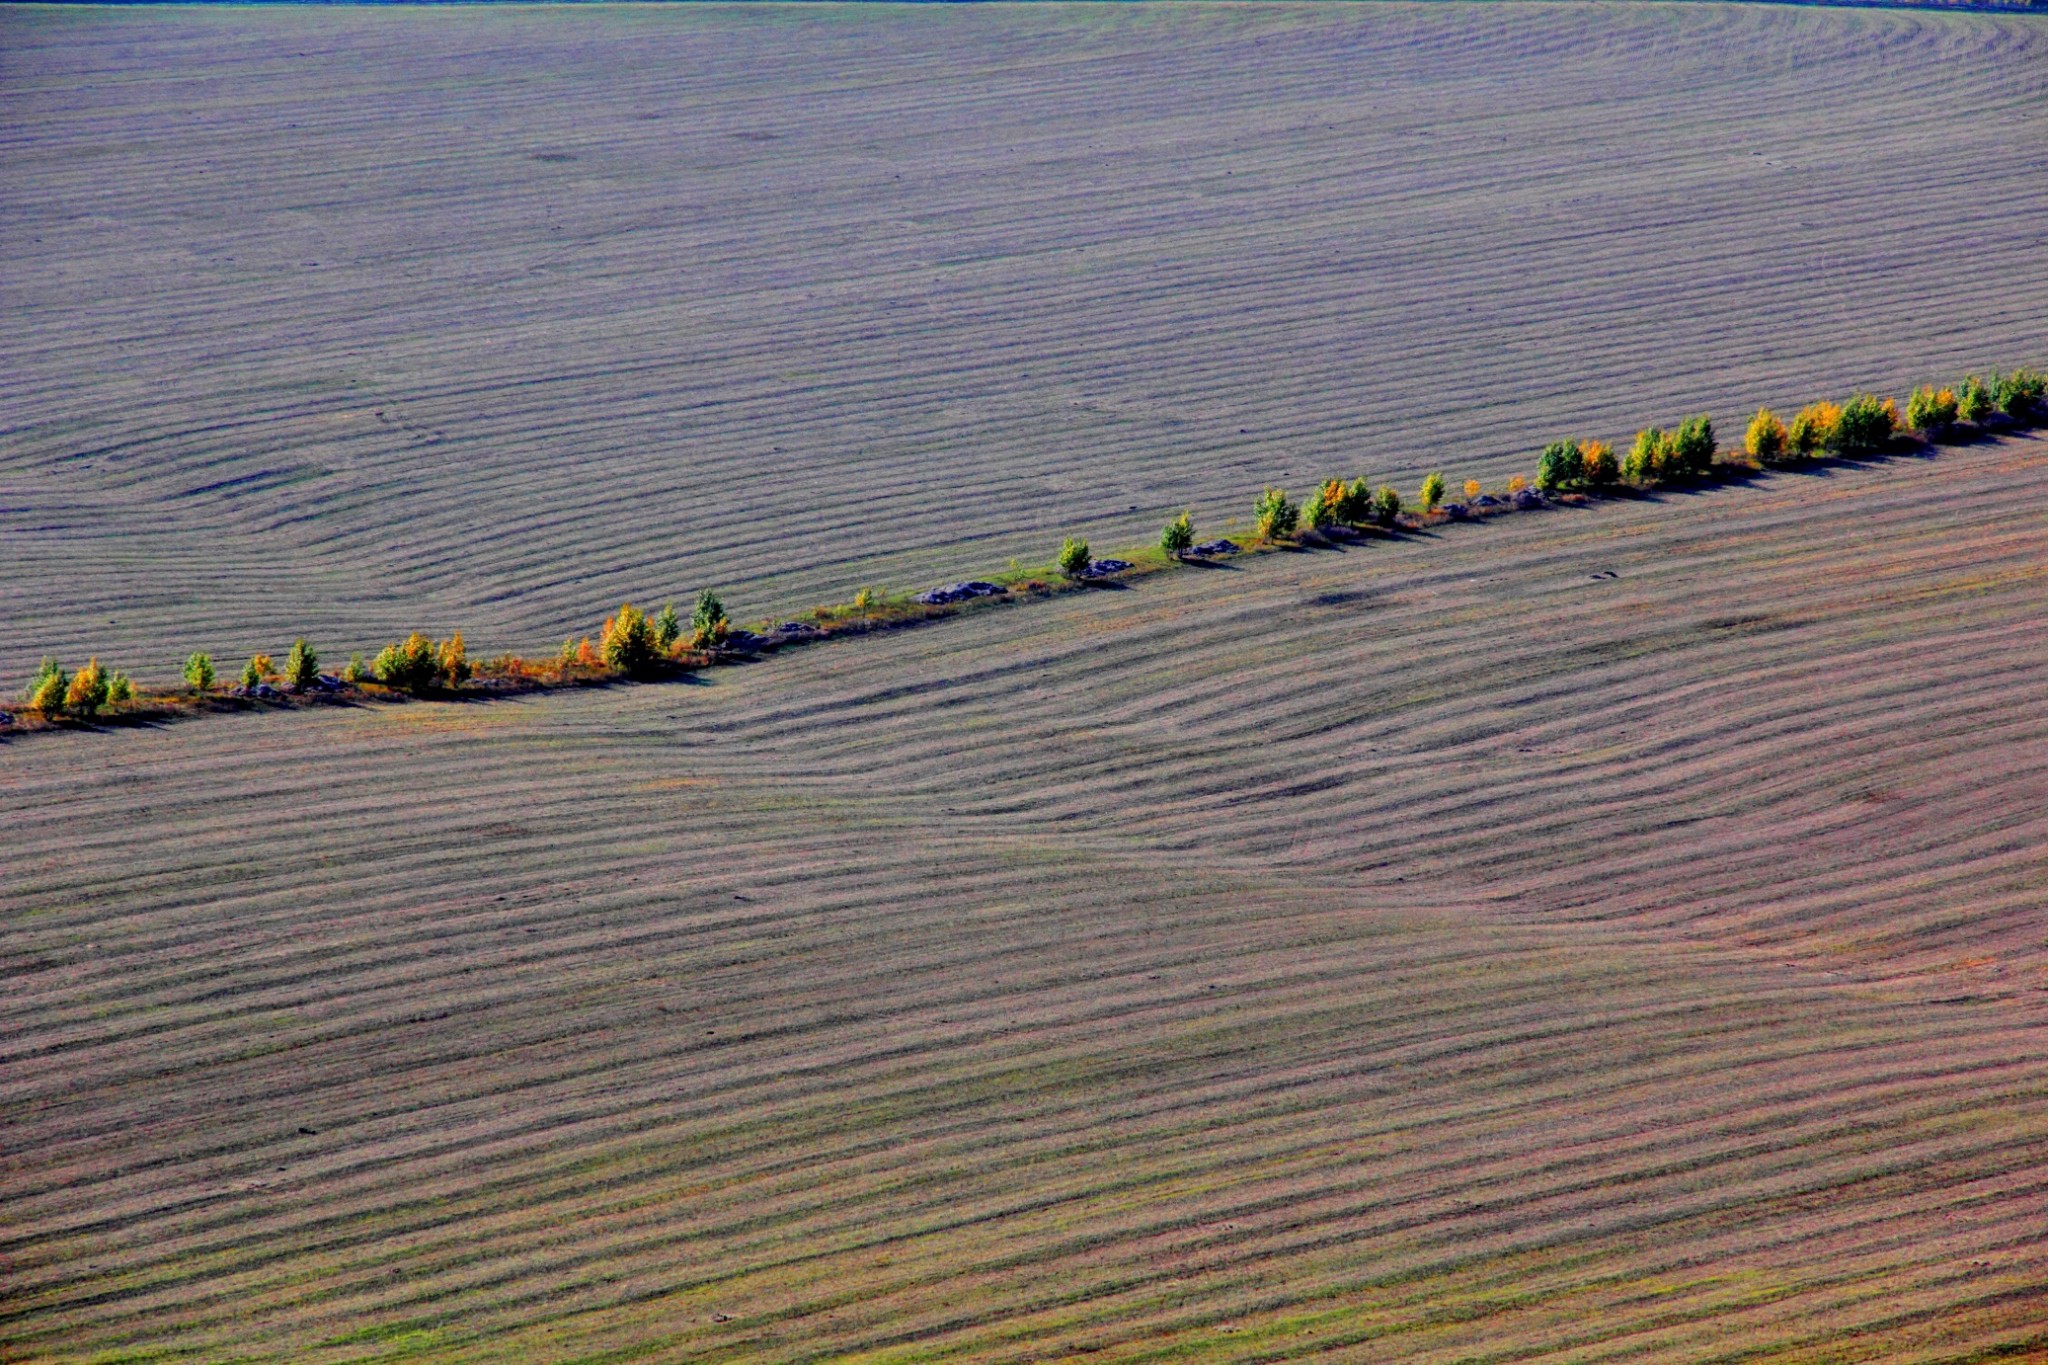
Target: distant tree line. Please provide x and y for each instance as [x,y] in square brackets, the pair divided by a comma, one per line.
[632,644]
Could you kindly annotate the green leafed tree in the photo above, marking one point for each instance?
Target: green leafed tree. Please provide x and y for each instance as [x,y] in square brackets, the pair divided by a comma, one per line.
[1275,515]
[47,689]
[1561,467]
[708,623]
[1074,557]
[301,666]
[1178,536]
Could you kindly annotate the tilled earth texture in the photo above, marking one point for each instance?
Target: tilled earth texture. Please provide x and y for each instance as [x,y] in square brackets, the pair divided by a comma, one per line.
[1612,933]
[344,322]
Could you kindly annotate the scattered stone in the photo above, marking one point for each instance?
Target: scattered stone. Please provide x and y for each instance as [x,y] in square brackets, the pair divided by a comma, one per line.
[1103,568]
[1457,511]
[327,682]
[742,641]
[1486,500]
[1214,549]
[260,692]
[1528,500]
[959,592]
[793,630]
[6,719]
[1337,532]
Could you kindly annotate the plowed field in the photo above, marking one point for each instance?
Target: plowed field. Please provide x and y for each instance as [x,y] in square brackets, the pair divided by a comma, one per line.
[345,323]
[1423,952]
[1611,933]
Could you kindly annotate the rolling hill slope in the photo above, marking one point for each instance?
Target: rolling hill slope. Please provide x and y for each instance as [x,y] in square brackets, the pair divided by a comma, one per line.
[1611,935]
[344,322]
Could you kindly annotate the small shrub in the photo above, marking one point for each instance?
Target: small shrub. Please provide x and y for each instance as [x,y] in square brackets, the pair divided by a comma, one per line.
[586,655]
[864,600]
[628,641]
[2020,395]
[1472,490]
[1274,515]
[46,692]
[88,690]
[301,666]
[667,628]
[1178,536]
[1074,557]
[1931,411]
[1432,492]
[356,671]
[567,654]
[1644,463]
[1765,439]
[1560,467]
[199,672]
[257,669]
[1975,400]
[1865,424]
[453,658]
[120,690]
[1386,506]
[411,664]
[709,626]
[1813,429]
[1603,469]
[1517,484]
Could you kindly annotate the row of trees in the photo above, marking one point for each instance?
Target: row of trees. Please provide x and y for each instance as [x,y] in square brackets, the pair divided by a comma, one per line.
[631,643]
[635,644]
[55,692]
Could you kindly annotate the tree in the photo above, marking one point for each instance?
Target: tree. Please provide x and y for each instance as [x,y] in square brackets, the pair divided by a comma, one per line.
[1931,411]
[1320,510]
[46,691]
[628,641]
[1355,506]
[1472,490]
[88,690]
[1602,468]
[1976,400]
[1691,451]
[667,628]
[1646,458]
[1432,492]
[410,664]
[1074,557]
[2020,394]
[452,658]
[1765,439]
[708,624]
[1178,536]
[1865,424]
[1335,495]
[1274,516]
[119,688]
[1813,429]
[199,671]
[1561,467]
[1386,506]
[301,666]
[259,667]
